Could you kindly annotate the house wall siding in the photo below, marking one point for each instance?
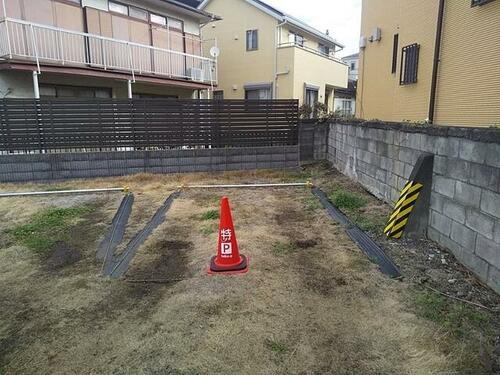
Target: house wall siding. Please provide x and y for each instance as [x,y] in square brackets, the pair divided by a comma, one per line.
[469,73]
[468,91]
[380,96]
[237,66]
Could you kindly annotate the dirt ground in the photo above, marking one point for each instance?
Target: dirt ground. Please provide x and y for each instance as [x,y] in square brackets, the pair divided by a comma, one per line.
[311,304]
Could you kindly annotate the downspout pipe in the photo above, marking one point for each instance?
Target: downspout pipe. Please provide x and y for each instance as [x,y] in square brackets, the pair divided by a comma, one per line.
[36,86]
[276,75]
[435,68]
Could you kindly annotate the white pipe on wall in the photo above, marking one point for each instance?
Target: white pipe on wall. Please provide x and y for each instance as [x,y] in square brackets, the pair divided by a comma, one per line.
[36,87]
[86,191]
[298,184]
[129,89]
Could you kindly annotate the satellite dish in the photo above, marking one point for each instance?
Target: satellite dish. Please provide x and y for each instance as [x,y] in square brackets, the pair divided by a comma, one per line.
[214,51]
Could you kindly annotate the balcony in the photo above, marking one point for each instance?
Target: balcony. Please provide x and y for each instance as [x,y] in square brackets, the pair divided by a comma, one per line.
[42,44]
[311,66]
[329,56]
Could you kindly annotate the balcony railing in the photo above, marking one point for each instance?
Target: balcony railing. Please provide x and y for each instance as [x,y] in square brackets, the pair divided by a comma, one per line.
[329,56]
[46,44]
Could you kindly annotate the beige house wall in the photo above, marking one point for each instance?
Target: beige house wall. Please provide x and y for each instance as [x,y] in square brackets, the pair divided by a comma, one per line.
[380,96]
[311,69]
[468,89]
[237,66]
[294,65]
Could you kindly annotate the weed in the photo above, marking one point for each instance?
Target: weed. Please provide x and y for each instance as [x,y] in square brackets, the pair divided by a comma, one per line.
[210,215]
[207,230]
[368,223]
[283,248]
[296,177]
[347,200]
[311,204]
[276,346]
[455,317]
[48,227]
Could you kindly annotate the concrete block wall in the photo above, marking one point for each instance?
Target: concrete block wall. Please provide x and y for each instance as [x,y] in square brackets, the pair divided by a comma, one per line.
[313,140]
[465,199]
[43,167]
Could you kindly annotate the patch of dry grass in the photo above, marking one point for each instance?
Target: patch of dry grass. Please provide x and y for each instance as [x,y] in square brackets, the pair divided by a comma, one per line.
[322,308]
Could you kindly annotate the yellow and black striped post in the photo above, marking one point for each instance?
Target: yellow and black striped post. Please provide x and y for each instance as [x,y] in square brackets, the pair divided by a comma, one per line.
[403,209]
[411,211]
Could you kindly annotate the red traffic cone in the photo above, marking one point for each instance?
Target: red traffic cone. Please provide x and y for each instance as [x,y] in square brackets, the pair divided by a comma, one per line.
[228,259]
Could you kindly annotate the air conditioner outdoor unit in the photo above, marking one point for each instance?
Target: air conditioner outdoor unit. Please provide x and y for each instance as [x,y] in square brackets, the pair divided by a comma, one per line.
[196,74]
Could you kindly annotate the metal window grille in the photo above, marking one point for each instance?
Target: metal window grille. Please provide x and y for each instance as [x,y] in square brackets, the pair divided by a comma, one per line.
[409,64]
[479,2]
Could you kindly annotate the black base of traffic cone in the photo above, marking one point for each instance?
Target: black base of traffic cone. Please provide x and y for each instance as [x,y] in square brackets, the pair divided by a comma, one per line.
[242,267]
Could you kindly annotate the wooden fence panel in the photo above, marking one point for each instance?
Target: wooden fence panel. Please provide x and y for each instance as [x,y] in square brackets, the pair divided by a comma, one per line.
[58,125]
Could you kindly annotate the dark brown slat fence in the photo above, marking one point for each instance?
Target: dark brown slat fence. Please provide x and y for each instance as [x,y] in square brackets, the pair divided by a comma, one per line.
[62,125]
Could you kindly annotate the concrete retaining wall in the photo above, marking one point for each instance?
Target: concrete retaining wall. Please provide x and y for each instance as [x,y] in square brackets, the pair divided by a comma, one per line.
[41,167]
[465,199]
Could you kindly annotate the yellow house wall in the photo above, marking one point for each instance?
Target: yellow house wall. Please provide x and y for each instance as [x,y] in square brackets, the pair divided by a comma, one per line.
[380,96]
[286,82]
[468,86]
[237,66]
[468,91]
[315,70]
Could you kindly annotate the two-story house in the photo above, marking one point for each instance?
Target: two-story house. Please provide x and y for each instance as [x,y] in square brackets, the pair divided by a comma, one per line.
[430,61]
[345,99]
[266,53]
[103,49]
[353,62]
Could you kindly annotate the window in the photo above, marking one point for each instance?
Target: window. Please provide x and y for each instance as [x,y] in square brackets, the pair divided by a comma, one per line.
[312,95]
[346,106]
[154,96]
[479,2]
[299,39]
[138,13]
[324,49]
[160,20]
[218,95]
[353,66]
[118,8]
[53,91]
[409,64]
[296,39]
[174,24]
[252,40]
[258,92]
[395,49]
